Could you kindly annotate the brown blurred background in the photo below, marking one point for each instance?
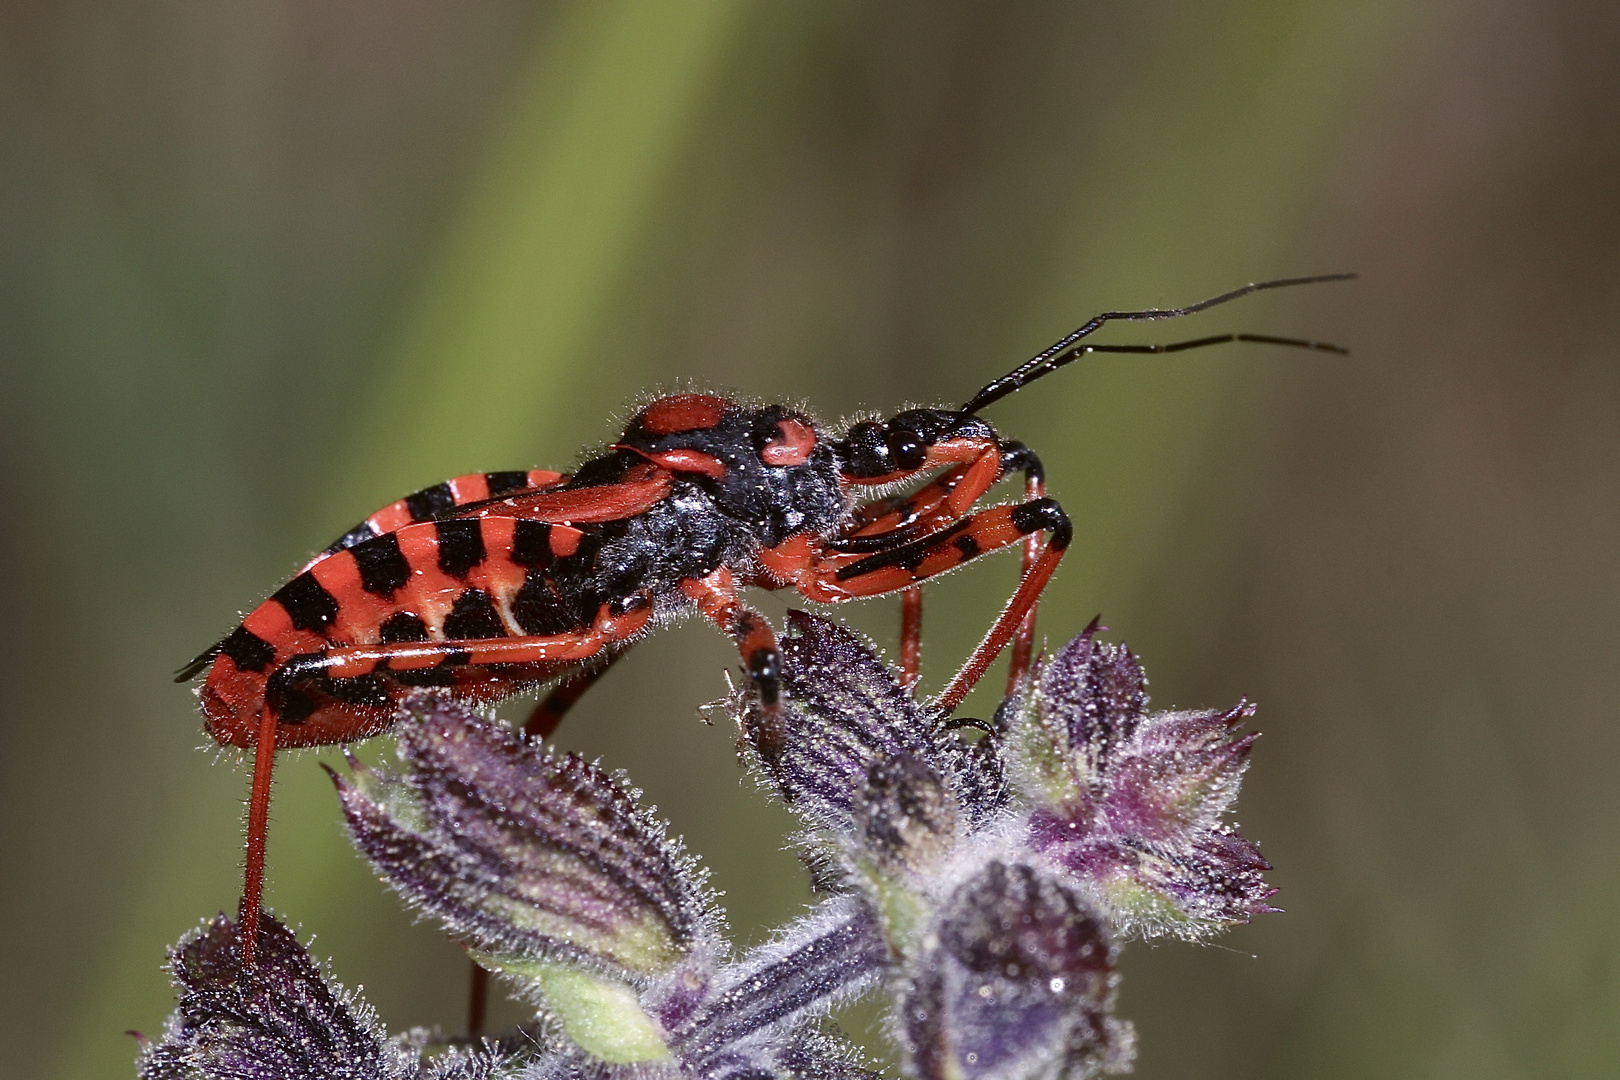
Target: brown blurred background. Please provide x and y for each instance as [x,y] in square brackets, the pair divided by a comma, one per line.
[268,266]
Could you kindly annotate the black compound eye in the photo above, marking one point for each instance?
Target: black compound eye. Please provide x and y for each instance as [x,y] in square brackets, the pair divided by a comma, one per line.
[906,449]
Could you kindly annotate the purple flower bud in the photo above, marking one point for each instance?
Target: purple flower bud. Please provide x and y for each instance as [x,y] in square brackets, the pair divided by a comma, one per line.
[280,1021]
[815,1055]
[826,957]
[843,711]
[1086,700]
[1019,984]
[1177,776]
[905,817]
[1133,803]
[1099,690]
[525,855]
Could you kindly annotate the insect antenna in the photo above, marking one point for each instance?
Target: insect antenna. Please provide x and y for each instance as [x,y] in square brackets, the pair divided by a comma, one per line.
[1067,349]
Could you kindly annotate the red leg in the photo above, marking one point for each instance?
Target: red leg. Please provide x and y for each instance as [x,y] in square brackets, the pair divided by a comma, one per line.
[829,576]
[833,576]
[477,1002]
[882,526]
[1006,625]
[886,522]
[550,712]
[915,513]
[716,597]
[264,760]
[957,451]
[842,577]
[910,635]
[347,661]
[1023,642]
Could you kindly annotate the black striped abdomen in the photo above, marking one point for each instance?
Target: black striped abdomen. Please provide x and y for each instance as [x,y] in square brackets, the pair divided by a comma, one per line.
[432,503]
[457,579]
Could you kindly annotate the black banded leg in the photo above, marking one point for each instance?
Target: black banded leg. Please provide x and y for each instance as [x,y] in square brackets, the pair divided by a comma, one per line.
[1018,457]
[991,530]
[762,661]
[908,564]
[1042,515]
[716,597]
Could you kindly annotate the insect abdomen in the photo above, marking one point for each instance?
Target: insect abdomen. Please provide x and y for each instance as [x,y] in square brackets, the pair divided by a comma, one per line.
[457,579]
[432,503]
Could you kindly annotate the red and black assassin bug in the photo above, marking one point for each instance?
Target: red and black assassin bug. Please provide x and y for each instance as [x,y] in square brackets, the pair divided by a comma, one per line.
[492,583]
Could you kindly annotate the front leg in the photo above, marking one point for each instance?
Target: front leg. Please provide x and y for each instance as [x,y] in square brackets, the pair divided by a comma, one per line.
[716,597]
[883,524]
[827,575]
[1018,456]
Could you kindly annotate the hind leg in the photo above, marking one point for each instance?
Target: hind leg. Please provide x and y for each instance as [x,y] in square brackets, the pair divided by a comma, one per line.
[264,760]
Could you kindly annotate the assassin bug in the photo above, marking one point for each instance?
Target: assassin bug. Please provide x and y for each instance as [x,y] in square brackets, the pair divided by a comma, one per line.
[491,583]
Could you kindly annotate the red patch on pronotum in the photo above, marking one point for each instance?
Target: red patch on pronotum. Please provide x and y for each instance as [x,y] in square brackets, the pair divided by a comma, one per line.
[683,412]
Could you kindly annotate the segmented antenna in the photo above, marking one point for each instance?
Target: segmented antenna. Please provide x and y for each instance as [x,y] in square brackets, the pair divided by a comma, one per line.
[1065,350]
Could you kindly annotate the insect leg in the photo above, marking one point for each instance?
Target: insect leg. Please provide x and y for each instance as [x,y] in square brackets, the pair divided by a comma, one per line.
[1018,456]
[264,760]
[716,597]
[881,524]
[348,661]
[910,635]
[886,523]
[550,712]
[907,564]
[1049,517]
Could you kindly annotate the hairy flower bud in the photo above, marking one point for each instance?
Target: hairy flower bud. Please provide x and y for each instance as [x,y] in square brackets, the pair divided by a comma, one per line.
[1019,985]
[1132,803]
[845,712]
[905,816]
[279,1021]
[828,956]
[523,854]
[544,866]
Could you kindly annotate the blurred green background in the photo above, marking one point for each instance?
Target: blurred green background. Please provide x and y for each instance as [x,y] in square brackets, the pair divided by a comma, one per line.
[268,266]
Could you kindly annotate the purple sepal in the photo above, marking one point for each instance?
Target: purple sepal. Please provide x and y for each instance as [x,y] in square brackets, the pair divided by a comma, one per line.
[280,1021]
[1019,985]
[905,817]
[842,711]
[828,956]
[816,1055]
[1138,815]
[1098,693]
[522,854]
